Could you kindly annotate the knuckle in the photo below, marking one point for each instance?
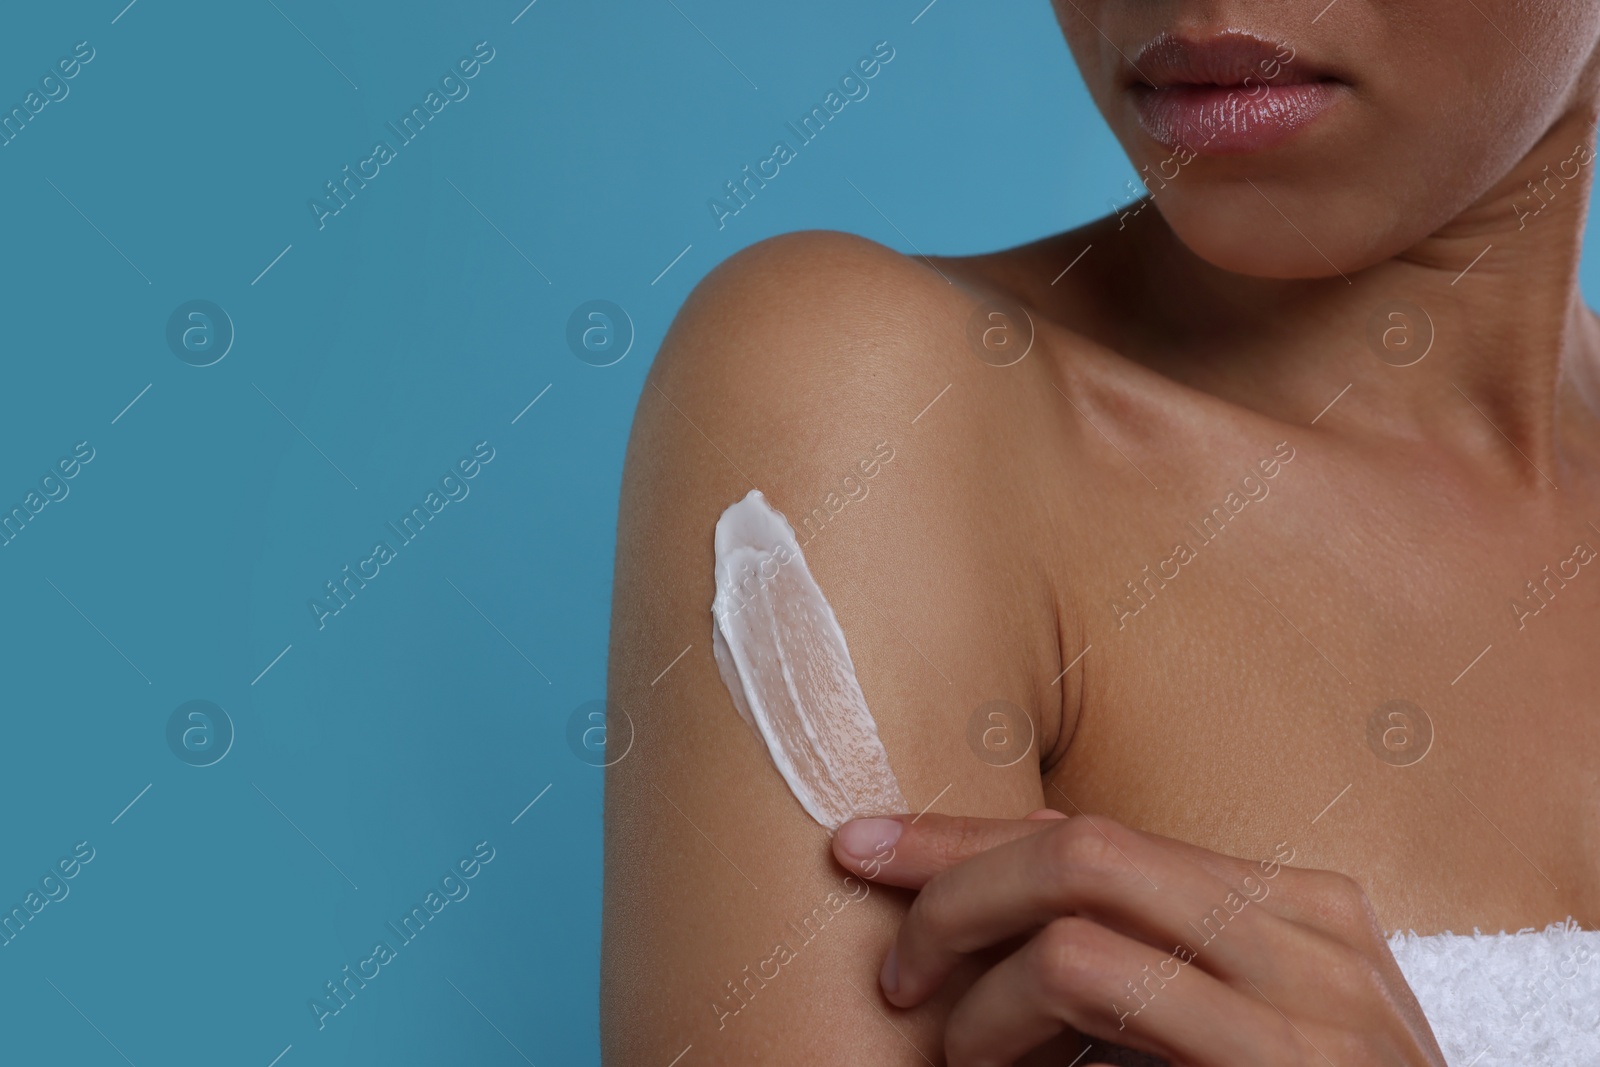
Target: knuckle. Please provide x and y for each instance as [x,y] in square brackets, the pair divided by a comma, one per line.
[1064,961]
[1083,846]
[1341,902]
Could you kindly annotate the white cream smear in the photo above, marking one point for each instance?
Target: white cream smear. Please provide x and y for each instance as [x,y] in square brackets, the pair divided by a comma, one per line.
[783,657]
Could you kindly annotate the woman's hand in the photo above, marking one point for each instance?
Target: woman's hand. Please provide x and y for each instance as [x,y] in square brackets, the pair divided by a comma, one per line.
[1137,940]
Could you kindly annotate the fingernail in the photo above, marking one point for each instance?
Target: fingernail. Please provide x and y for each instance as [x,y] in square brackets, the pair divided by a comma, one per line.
[862,838]
[890,977]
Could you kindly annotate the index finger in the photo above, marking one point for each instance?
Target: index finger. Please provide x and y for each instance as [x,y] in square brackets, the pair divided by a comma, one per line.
[906,850]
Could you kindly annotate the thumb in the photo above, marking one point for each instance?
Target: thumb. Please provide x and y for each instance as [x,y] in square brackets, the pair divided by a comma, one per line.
[906,850]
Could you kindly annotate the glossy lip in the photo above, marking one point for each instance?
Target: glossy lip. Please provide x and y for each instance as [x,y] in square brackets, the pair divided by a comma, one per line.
[1228,93]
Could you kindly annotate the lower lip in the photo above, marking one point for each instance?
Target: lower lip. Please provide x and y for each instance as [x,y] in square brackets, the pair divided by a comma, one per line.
[1225,120]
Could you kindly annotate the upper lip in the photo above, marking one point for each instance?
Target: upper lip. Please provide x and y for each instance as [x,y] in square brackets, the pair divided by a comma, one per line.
[1223,60]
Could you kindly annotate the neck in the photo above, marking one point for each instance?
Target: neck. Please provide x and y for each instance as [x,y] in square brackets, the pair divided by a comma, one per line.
[1487,305]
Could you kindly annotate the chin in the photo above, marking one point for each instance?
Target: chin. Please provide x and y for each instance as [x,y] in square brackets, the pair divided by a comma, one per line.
[1237,229]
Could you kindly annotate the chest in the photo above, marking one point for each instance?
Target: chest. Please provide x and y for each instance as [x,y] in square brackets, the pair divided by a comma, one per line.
[1415,704]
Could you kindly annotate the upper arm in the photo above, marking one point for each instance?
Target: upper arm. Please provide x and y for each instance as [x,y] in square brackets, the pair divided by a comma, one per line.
[787,366]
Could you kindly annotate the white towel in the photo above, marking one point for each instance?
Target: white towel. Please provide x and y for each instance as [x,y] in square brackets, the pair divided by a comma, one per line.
[1528,999]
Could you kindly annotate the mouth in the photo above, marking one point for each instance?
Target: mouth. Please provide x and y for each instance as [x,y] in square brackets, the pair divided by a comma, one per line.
[1227,94]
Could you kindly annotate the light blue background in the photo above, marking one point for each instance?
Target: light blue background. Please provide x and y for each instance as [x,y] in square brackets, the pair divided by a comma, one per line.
[408,329]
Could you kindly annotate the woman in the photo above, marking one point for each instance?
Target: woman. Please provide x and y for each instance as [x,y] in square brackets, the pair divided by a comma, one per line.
[1234,540]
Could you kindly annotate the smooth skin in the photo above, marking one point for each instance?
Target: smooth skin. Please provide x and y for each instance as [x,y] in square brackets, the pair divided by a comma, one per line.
[1226,721]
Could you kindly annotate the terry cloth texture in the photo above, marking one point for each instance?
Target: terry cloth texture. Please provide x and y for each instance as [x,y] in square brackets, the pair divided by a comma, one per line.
[1528,999]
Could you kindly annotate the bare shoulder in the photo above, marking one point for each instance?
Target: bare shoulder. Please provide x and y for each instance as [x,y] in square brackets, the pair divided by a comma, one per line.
[803,356]
[800,353]
[848,383]
[808,313]
[833,375]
